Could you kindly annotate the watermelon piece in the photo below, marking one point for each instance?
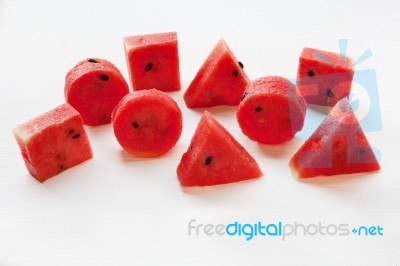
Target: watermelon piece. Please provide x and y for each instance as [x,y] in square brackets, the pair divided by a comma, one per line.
[147,123]
[221,80]
[338,146]
[94,87]
[153,61]
[215,157]
[323,78]
[53,142]
[271,110]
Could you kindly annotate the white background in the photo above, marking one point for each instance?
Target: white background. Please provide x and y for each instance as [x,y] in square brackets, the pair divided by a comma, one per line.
[119,210]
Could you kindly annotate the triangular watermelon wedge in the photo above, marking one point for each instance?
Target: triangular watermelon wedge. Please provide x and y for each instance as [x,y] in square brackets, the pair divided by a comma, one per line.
[219,81]
[338,146]
[215,157]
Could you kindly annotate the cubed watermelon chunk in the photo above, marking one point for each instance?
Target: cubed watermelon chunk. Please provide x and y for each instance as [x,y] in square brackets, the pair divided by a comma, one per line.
[221,80]
[147,123]
[94,87]
[153,61]
[271,110]
[323,78]
[215,157]
[53,142]
[338,146]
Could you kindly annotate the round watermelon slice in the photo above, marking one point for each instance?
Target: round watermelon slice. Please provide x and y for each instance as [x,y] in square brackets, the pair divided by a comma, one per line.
[271,110]
[147,123]
[94,87]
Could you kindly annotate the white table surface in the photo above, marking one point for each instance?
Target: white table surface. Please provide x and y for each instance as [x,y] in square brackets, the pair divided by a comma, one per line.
[119,210]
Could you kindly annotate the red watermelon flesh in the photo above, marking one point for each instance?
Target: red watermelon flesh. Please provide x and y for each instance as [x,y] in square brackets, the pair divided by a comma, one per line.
[338,146]
[53,142]
[153,61]
[323,78]
[215,157]
[147,123]
[219,81]
[271,110]
[94,87]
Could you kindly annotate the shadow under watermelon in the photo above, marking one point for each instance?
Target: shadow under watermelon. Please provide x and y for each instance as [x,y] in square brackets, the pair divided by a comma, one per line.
[218,111]
[331,181]
[217,191]
[283,150]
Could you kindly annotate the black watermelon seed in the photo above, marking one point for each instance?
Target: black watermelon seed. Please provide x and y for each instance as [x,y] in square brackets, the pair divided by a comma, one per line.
[148,67]
[91,60]
[235,73]
[104,118]
[241,65]
[329,93]
[208,160]
[71,132]
[361,150]
[76,136]
[244,96]
[258,109]
[310,73]
[61,167]
[104,77]
[135,124]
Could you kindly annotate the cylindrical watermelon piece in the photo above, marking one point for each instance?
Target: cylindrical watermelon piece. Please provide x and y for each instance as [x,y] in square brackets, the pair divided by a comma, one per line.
[147,123]
[271,110]
[94,87]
